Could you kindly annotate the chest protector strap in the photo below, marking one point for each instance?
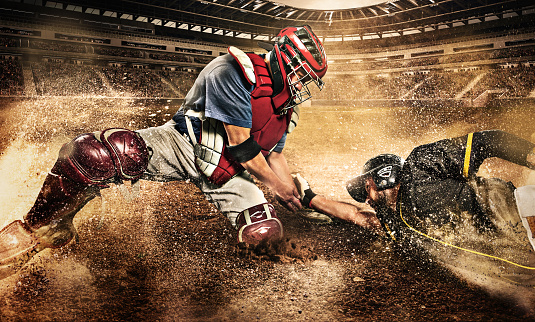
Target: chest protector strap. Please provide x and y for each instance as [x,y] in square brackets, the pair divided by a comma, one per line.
[211,154]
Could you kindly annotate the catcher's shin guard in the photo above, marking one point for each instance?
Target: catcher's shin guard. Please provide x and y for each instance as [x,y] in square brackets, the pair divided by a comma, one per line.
[17,247]
[50,218]
[85,165]
[47,225]
[259,224]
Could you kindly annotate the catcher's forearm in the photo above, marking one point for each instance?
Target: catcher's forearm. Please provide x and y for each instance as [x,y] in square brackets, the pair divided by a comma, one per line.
[277,163]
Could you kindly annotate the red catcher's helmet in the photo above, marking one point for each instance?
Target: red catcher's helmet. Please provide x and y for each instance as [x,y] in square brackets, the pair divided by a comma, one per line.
[298,52]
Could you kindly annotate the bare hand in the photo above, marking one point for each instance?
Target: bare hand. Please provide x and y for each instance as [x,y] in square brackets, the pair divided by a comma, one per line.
[288,196]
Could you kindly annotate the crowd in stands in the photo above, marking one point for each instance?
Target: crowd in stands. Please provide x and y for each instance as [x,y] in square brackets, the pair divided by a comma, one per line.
[108,51]
[422,62]
[172,57]
[442,85]
[57,46]
[136,82]
[11,78]
[514,82]
[435,60]
[52,78]
[514,52]
[68,79]
[114,51]
[8,42]
[465,57]
[203,59]
[63,79]
[435,85]
[385,64]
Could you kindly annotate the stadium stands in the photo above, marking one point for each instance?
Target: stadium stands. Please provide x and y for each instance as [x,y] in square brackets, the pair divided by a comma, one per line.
[11,80]
[459,59]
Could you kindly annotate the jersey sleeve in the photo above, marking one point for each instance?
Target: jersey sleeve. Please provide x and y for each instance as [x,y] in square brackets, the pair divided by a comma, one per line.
[462,156]
[228,96]
[495,143]
[280,145]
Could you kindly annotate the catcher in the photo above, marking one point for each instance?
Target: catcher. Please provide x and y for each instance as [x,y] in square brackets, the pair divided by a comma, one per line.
[232,123]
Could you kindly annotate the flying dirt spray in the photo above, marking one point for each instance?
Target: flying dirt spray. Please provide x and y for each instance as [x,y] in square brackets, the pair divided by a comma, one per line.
[337,139]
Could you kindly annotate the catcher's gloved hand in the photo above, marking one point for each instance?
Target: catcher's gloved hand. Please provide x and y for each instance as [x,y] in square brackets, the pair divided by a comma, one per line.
[306,197]
[304,190]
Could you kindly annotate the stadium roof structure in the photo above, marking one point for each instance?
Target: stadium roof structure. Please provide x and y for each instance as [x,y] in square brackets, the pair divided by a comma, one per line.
[261,19]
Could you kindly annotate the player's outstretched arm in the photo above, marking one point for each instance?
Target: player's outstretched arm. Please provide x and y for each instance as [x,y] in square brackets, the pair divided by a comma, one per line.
[361,214]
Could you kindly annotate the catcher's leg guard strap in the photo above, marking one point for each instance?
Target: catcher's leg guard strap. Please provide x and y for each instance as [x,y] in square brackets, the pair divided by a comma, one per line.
[259,223]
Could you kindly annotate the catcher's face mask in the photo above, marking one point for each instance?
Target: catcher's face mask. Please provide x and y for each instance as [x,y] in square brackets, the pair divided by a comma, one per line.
[297,60]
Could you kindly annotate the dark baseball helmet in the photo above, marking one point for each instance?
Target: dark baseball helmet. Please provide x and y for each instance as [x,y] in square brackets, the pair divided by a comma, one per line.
[298,49]
[384,169]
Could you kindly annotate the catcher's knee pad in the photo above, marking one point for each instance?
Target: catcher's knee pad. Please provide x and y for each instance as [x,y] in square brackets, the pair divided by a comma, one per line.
[100,158]
[259,223]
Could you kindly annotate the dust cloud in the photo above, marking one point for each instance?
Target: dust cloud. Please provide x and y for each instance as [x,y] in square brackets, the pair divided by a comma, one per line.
[331,145]
[158,257]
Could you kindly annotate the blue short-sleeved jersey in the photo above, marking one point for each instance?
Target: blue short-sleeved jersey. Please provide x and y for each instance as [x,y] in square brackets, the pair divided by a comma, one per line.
[223,93]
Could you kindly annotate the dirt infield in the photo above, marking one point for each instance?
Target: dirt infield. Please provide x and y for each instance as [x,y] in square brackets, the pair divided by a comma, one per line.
[168,255]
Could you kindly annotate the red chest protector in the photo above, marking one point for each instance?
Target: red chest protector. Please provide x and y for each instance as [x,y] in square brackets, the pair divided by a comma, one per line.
[268,127]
